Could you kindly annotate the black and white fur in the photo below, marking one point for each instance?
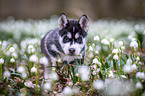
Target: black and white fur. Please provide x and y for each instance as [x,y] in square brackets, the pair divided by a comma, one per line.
[67,41]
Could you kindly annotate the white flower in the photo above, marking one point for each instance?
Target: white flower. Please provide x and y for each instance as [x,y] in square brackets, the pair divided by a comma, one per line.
[1,60]
[15,55]
[134,44]
[123,47]
[98,84]
[137,58]
[31,49]
[111,40]
[134,67]
[0,42]
[47,86]
[67,91]
[138,85]
[140,75]
[133,39]
[136,27]
[33,58]
[120,43]
[95,60]
[75,90]
[21,69]
[90,48]
[12,49]
[144,32]
[127,68]
[97,38]
[115,51]
[54,76]
[24,75]
[84,72]
[77,74]
[28,83]
[7,74]
[111,74]
[105,41]
[79,57]
[33,69]
[43,60]
[123,76]
[129,61]
[12,60]
[59,60]
[115,57]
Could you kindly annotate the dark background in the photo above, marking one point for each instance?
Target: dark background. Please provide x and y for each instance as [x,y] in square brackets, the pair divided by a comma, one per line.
[94,9]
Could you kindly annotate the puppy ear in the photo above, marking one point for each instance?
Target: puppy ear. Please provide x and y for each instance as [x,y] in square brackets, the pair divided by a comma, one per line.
[62,21]
[84,22]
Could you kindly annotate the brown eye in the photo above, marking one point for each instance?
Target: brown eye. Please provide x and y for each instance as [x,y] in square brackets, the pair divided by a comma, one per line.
[79,40]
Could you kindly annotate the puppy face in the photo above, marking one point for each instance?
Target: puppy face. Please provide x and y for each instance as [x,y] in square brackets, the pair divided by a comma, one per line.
[72,34]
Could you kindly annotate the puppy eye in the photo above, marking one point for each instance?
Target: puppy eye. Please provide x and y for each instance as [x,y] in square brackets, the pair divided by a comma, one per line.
[66,39]
[79,40]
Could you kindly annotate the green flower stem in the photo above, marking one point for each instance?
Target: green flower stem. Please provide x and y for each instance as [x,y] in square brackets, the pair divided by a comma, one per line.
[1,70]
[37,79]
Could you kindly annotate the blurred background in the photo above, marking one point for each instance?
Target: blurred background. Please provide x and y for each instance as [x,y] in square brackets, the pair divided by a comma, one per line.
[94,9]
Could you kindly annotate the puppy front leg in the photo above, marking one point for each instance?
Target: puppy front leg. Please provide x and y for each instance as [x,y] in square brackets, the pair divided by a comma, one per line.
[48,68]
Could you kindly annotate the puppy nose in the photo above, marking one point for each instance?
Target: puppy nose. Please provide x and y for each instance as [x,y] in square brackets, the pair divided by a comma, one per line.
[72,50]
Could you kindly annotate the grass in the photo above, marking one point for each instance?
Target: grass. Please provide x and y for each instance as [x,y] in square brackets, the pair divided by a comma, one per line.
[105,72]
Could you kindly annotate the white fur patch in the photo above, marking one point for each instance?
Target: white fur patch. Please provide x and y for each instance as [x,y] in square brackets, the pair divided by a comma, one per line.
[69,35]
[76,35]
[73,29]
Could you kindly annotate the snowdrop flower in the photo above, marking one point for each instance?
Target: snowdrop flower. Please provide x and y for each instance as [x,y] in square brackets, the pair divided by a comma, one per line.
[1,60]
[33,69]
[115,51]
[28,83]
[111,40]
[12,49]
[54,76]
[0,42]
[144,32]
[59,60]
[115,57]
[84,72]
[75,90]
[105,41]
[99,84]
[129,61]
[140,75]
[79,56]
[15,55]
[120,43]
[133,39]
[7,74]
[33,58]
[134,44]
[137,58]
[123,47]
[43,60]
[67,91]
[12,60]
[90,48]
[24,75]
[136,27]
[20,69]
[127,68]
[31,49]
[138,85]
[97,38]
[95,60]
[47,86]
[134,67]
[111,74]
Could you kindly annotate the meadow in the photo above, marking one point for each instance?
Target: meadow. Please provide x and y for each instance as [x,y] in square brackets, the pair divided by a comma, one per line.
[114,63]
